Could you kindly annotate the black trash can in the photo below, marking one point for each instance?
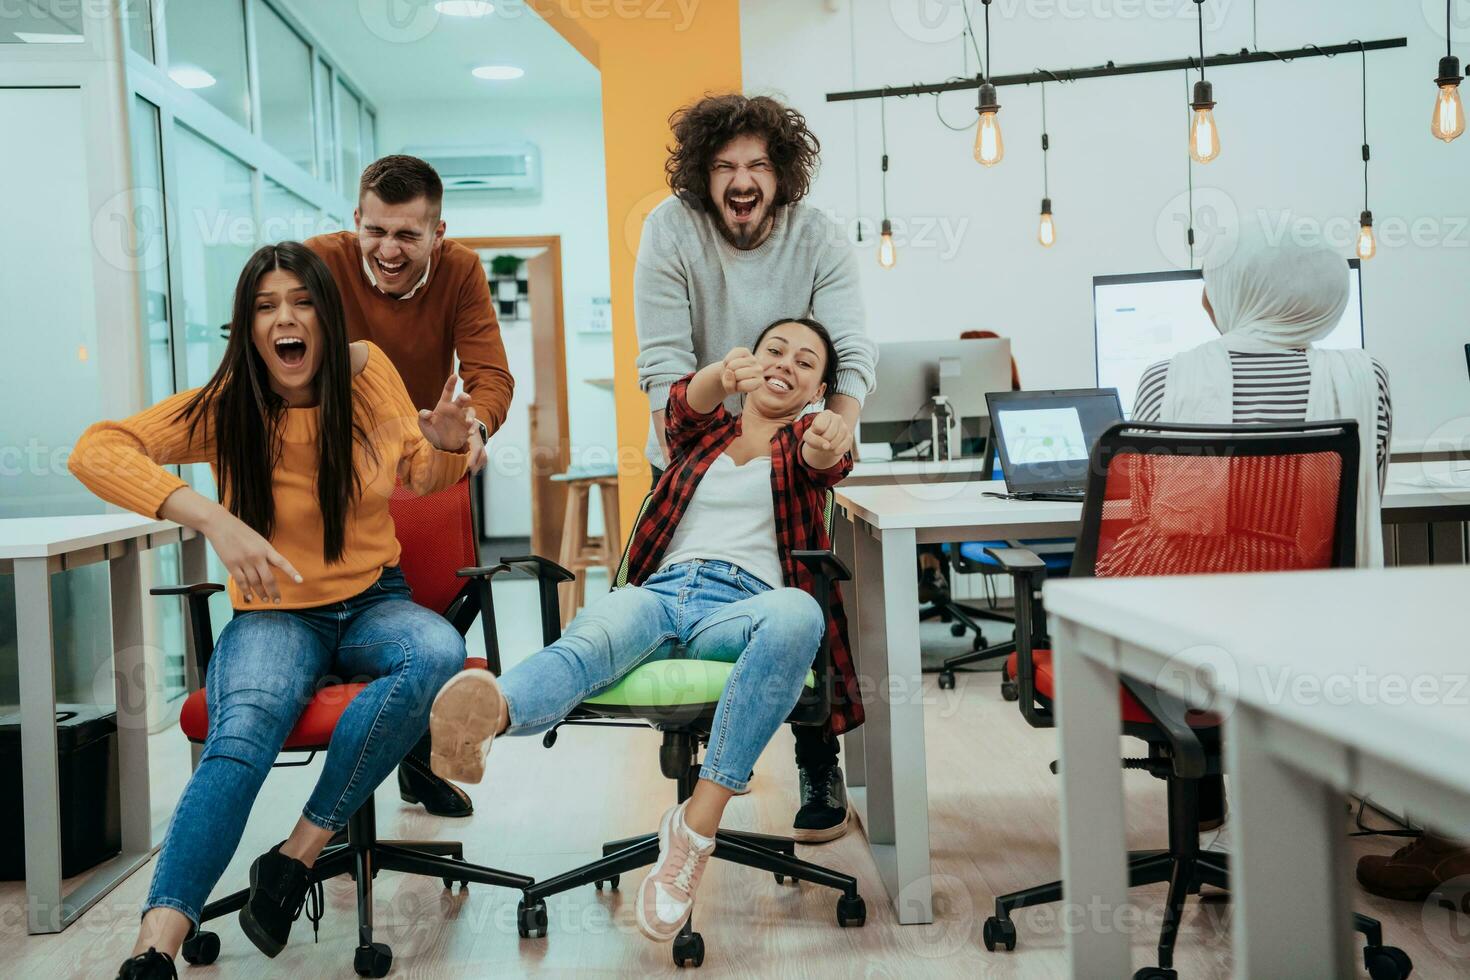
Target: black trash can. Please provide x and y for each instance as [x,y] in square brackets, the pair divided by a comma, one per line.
[91,824]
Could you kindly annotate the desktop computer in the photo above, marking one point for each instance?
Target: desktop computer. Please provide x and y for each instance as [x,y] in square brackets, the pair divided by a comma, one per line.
[900,410]
[1146,318]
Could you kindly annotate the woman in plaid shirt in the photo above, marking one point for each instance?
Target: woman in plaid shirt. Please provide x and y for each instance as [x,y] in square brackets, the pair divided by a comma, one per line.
[711,577]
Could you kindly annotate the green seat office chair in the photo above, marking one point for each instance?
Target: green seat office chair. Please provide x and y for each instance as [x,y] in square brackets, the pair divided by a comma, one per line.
[678,698]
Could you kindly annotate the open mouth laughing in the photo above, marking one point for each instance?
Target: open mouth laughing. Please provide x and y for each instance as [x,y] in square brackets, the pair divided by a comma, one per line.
[742,204]
[291,351]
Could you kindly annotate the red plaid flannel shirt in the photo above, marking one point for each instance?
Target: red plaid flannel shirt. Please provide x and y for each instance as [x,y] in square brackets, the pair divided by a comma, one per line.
[799,492]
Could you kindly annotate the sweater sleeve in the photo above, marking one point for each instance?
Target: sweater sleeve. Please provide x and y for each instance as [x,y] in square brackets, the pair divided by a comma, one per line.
[421,467]
[481,352]
[123,462]
[837,301]
[661,313]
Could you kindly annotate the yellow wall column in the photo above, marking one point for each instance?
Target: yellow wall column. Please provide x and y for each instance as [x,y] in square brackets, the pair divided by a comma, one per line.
[654,56]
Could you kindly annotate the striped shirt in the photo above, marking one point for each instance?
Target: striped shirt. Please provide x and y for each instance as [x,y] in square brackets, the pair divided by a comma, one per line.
[1268,388]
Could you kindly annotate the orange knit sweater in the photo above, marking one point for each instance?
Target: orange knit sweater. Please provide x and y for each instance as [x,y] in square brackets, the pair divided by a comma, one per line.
[122,462]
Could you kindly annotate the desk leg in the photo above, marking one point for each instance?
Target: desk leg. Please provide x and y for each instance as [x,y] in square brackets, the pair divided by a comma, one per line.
[854,759]
[39,779]
[1094,847]
[895,808]
[194,566]
[130,679]
[1289,873]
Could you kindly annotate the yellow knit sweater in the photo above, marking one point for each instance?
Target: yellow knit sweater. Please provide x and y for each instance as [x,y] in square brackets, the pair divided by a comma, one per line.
[122,462]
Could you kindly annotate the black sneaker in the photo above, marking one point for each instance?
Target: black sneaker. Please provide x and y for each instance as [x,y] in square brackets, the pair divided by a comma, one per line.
[279,888]
[151,965]
[823,813]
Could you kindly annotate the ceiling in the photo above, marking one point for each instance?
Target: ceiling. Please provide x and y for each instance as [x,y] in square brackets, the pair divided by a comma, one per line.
[405,51]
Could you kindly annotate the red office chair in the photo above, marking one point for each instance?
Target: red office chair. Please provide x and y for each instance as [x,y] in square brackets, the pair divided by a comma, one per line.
[440,561]
[1190,499]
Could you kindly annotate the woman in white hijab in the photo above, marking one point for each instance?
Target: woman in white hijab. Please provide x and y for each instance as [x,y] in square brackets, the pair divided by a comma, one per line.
[1271,302]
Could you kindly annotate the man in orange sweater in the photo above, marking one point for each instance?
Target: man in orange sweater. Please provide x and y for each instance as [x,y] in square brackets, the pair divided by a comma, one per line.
[423,301]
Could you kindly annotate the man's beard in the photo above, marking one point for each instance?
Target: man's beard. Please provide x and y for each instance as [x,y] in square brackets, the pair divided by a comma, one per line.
[749,235]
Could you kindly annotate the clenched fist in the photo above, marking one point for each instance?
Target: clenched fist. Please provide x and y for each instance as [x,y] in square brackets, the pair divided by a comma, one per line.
[740,372]
[828,434]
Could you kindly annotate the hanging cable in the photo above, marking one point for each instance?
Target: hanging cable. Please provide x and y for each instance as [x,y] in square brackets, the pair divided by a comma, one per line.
[989,146]
[965,6]
[887,256]
[1204,138]
[1367,245]
[1046,232]
[1189,165]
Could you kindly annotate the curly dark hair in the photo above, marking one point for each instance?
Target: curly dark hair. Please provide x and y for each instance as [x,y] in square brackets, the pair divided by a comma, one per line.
[701,129]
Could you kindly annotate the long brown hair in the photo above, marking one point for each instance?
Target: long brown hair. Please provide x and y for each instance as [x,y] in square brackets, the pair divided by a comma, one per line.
[248,414]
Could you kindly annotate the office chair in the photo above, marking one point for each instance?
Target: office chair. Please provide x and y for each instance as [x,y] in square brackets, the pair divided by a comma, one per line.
[439,557]
[1175,500]
[678,698]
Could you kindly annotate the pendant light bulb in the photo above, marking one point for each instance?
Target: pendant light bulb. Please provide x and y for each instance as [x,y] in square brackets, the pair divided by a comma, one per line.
[1046,233]
[990,148]
[1449,113]
[1367,245]
[1204,138]
[887,254]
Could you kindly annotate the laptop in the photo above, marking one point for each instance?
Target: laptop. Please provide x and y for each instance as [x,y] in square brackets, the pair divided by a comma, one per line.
[1045,438]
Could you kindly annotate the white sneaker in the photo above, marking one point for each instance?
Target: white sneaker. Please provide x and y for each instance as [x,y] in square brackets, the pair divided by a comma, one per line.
[666,896]
[467,712]
[1219,841]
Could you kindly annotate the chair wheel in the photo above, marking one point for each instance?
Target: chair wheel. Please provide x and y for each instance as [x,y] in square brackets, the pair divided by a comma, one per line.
[1387,962]
[851,912]
[957,629]
[689,950]
[449,884]
[612,883]
[999,932]
[549,739]
[201,949]
[373,960]
[780,878]
[1155,973]
[531,920]
[1009,691]
[946,680]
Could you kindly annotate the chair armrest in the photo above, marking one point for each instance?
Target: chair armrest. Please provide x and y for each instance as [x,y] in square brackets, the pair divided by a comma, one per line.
[482,571]
[201,630]
[824,562]
[1169,714]
[1028,572]
[548,575]
[1018,560]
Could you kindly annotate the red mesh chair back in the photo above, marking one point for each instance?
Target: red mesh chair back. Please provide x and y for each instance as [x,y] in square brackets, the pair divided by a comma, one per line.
[438,537]
[1192,499]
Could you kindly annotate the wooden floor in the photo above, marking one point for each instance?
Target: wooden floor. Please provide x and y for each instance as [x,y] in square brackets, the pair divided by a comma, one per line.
[993,814]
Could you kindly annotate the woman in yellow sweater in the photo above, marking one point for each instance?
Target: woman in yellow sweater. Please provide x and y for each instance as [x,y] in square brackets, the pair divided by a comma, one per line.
[308,435]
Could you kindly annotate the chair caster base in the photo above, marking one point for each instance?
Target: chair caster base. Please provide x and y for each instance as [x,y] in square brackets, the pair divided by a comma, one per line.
[1387,963]
[611,883]
[373,960]
[201,948]
[957,629]
[998,932]
[689,950]
[946,680]
[1155,973]
[851,912]
[531,920]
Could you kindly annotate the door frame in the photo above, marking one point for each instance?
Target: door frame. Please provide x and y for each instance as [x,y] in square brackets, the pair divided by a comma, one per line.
[550,429]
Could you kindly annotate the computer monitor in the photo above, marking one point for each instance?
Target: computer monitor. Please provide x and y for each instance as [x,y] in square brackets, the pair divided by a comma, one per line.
[1045,438]
[910,374]
[1146,318]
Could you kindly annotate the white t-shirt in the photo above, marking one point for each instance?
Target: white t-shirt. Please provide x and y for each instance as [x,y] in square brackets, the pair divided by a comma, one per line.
[731,517]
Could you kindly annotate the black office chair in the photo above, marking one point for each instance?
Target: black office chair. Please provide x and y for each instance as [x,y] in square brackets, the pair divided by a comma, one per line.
[678,698]
[1175,500]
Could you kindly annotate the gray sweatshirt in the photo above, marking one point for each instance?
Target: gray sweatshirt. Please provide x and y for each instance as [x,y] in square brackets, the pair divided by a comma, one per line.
[696,296]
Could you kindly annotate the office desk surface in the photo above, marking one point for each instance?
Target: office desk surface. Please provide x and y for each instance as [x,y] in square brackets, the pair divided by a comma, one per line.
[46,537]
[1384,647]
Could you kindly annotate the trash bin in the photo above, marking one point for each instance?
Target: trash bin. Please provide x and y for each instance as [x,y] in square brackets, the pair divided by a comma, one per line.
[91,826]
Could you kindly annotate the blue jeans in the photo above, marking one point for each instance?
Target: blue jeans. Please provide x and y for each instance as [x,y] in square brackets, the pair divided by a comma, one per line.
[702,610]
[264,671]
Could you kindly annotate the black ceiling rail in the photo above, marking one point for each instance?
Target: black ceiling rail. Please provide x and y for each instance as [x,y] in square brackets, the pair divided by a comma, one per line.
[1244,57]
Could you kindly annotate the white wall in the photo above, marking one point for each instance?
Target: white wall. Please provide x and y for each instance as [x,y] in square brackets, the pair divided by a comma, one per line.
[572,204]
[1290,134]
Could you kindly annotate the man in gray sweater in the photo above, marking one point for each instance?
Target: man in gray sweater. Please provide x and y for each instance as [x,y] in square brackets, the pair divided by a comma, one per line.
[730,251]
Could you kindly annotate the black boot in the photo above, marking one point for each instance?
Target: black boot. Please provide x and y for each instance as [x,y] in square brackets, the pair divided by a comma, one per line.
[418,784]
[823,813]
[279,888]
[151,965]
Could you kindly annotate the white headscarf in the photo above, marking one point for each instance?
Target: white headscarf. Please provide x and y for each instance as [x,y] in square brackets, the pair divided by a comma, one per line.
[1283,296]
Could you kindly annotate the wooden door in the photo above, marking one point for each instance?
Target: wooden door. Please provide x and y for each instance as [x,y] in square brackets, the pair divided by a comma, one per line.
[550,438]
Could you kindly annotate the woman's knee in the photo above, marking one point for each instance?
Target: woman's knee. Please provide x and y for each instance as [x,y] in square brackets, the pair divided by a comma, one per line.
[796,617]
[438,652]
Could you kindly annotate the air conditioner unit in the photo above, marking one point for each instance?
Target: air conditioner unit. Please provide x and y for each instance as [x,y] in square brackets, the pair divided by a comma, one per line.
[513,169]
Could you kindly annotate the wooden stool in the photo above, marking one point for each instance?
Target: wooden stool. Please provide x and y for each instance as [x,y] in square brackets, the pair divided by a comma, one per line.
[578,551]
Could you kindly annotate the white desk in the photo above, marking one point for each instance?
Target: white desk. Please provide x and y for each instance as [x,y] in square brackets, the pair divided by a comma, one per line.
[891,472]
[880,526]
[32,548]
[1330,682]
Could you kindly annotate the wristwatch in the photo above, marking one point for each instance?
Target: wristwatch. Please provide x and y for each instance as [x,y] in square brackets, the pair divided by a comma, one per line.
[484,432]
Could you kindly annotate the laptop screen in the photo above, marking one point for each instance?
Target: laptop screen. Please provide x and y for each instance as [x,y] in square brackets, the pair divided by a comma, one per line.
[1046,437]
